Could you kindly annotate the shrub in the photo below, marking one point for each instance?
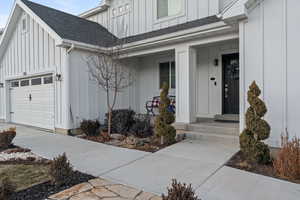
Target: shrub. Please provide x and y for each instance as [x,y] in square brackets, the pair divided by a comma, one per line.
[122,120]
[256,129]
[179,191]
[61,170]
[287,162]
[6,188]
[90,127]
[142,127]
[6,138]
[163,122]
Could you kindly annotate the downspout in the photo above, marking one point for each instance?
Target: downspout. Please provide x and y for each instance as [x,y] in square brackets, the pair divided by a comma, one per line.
[67,90]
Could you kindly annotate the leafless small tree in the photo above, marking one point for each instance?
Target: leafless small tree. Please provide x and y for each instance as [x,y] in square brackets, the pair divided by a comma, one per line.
[111,74]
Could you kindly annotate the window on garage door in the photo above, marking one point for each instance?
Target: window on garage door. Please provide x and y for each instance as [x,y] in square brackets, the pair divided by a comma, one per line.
[15,84]
[48,80]
[36,81]
[24,83]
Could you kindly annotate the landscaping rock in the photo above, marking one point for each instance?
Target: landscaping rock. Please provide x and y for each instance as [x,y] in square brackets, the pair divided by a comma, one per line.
[124,191]
[66,194]
[117,136]
[85,196]
[98,182]
[131,140]
[103,193]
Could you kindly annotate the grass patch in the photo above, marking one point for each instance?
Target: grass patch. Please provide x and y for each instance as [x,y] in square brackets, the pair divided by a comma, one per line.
[25,175]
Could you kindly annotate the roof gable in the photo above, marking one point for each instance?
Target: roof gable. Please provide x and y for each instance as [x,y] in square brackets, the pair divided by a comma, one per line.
[71,27]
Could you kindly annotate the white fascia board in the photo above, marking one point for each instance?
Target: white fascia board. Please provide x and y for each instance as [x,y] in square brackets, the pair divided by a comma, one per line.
[235,11]
[251,4]
[103,7]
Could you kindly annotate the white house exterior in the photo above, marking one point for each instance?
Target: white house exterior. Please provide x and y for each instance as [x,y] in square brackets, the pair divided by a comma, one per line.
[209,51]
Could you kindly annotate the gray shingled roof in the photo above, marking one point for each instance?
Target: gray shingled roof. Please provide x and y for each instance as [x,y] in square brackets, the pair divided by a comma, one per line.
[72,27]
[172,29]
[78,29]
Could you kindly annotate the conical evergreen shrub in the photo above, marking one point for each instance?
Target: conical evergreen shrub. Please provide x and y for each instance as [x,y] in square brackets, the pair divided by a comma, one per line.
[165,119]
[256,129]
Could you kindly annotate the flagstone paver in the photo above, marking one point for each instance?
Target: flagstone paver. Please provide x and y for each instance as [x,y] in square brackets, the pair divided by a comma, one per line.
[101,189]
[66,194]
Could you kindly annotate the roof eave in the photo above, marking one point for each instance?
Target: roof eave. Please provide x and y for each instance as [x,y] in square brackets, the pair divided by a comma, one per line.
[103,7]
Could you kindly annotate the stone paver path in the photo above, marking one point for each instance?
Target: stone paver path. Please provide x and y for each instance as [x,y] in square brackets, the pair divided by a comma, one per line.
[100,189]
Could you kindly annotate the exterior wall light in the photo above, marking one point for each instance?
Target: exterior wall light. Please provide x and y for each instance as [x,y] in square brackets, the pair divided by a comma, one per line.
[216,62]
[58,77]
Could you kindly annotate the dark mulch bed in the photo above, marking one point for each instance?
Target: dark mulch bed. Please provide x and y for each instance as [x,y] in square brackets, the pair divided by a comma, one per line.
[152,146]
[238,161]
[44,190]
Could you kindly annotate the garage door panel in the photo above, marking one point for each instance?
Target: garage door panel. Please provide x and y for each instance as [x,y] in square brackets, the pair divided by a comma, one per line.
[33,105]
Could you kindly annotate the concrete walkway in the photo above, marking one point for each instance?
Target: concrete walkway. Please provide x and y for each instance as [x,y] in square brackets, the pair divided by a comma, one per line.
[199,162]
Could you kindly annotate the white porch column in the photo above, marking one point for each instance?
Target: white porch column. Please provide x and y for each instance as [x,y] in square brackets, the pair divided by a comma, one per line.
[186,61]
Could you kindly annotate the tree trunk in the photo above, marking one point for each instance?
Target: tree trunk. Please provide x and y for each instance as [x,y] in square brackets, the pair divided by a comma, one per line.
[109,121]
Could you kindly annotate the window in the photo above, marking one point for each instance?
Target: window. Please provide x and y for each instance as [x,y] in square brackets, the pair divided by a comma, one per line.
[24,83]
[167,74]
[127,7]
[48,80]
[167,8]
[15,84]
[36,81]
[24,24]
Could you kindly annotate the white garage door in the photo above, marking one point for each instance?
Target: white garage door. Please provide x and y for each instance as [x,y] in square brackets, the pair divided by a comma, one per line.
[32,102]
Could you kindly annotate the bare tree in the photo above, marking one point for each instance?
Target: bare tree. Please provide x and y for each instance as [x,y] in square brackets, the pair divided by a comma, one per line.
[110,73]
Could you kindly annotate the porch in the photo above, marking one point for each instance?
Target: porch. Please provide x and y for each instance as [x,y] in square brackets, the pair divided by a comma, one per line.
[203,78]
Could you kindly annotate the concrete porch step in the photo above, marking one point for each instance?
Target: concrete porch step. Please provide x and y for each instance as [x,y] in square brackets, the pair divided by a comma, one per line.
[214,128]
[234,140]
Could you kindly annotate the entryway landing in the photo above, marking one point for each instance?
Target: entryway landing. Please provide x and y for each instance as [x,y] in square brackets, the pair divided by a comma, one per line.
[206,128]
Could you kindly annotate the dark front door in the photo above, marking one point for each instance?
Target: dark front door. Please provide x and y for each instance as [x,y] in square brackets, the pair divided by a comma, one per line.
[231,83]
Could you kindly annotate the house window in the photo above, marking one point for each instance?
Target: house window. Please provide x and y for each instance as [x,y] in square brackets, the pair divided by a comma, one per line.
[167,74]
[166,8]
[24,24]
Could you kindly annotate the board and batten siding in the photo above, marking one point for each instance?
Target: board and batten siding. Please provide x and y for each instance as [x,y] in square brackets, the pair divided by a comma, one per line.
[88,100]
[270,55]
[141,17]
[32,52]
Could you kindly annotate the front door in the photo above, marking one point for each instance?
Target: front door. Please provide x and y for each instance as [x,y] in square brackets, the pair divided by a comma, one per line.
[231,83]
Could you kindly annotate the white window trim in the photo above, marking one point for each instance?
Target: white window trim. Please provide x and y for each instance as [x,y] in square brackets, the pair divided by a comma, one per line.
[24,17]
[167,18]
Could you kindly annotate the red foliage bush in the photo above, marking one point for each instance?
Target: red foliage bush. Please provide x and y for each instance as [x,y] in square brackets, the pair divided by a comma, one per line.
[287,163]
[6,138]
